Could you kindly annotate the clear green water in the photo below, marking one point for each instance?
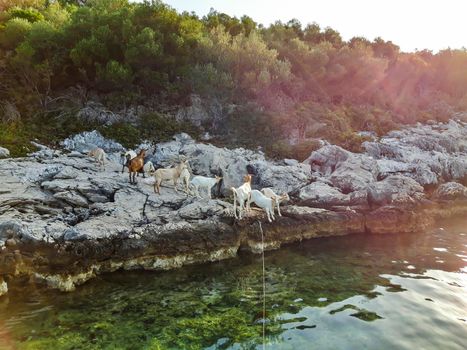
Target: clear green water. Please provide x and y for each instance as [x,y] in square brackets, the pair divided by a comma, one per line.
[353,292]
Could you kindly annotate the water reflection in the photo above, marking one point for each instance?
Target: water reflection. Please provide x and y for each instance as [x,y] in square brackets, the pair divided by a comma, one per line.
[392,291]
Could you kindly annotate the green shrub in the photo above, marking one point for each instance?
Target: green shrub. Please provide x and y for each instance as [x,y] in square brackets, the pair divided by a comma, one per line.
[125,133]
[29,14]
[16,138]
[159,127]
[300,151]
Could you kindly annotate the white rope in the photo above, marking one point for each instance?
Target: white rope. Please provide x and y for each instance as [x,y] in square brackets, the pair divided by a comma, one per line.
[264,287]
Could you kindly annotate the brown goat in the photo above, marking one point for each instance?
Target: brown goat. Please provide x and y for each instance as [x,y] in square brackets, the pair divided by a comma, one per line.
[136,164]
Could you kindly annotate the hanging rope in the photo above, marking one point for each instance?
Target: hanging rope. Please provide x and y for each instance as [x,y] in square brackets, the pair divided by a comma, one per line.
[264,285]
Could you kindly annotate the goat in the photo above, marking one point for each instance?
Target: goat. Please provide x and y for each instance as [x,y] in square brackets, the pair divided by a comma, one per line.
[263,202]
[241,195]
[168,174]
[99,155]
[185,176]
[148,168]
[136,165]
[204,182]
[126,158]
[268,192]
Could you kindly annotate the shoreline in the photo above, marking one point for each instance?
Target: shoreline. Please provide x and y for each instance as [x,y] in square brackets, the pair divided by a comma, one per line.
[63,220]
[309,225]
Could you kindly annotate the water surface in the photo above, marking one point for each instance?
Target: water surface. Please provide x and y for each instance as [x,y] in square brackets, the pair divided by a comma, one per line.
[354,292]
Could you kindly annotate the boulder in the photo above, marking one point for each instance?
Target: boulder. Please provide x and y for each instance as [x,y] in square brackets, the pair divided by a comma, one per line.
[323,195]
[86,141]
[4,152]
[202,209]
[394,189]
[345,170]
[354,174]
[451,191]
[201,112]
[72,197]
[282,178]
[326,159]
[320,194]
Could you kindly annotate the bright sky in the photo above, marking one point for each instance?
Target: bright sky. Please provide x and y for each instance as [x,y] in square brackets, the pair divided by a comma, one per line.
[411,24]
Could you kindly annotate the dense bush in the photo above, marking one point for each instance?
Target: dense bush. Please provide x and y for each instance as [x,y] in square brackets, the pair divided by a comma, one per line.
[284,79]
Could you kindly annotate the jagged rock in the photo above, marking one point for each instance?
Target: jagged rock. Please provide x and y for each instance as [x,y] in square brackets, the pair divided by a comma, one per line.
[200,112]
[209,160]
[426,153]
[66,173]
[282,178]
[86,141]
[71,197]
[354,174]
[202,209]
[418,171]
[299,211]
[345,170]
[322,195]
[81,221]
[4,152]
[97,113]
[326,159]
[451,191]
[394,189]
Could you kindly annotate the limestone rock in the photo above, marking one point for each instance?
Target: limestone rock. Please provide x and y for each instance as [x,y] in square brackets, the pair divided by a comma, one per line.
[451,191]
[232,165]
[426,153]
[345,170]
[320,194]
[60,209]
[202,209]
[86,141]
[4,152]
[394,189]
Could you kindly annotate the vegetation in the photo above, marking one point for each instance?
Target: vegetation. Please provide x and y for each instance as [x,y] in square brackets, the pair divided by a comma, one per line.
[278,83]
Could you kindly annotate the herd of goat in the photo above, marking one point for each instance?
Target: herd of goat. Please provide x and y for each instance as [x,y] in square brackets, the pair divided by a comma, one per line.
[243,195]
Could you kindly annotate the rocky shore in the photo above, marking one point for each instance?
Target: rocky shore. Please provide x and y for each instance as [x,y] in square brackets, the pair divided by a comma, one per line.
[62,221]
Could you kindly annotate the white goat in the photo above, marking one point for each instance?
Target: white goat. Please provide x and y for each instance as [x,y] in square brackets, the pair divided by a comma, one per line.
[263,202]
[149,168]
[168,174]
[268,192]
[99,155]
[185,176]
[241,195]
[204,182]
[126,157]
